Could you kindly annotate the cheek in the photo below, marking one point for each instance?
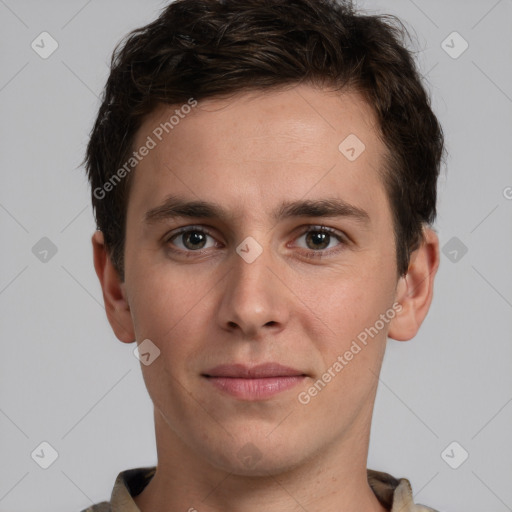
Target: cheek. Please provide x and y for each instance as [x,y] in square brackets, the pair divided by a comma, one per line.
[160,302]
[349,307]
[174,310]
[347,301]
[351,345]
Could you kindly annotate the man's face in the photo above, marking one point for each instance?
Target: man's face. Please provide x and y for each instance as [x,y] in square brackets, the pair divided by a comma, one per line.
[300,303]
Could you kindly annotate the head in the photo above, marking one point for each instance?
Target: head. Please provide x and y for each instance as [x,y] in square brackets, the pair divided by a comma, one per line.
[246,104]
[201,49]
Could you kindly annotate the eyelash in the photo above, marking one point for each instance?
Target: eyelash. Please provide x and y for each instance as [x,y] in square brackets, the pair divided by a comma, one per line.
[321,253]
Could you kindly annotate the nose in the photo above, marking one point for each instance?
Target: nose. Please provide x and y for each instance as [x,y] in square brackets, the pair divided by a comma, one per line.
[255,299]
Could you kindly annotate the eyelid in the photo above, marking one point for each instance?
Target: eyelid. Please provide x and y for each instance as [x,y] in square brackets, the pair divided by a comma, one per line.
[185,229]
[192,227]
[339,235]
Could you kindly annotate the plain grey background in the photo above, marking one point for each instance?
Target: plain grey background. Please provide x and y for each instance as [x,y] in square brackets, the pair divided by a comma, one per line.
[67,381]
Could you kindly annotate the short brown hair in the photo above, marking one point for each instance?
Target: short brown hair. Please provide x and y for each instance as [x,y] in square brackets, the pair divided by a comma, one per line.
[209,48]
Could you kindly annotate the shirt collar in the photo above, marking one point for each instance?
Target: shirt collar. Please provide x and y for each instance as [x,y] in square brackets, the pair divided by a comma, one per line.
[394,494]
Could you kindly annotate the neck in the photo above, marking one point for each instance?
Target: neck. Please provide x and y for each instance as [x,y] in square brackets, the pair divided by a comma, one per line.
[334,480]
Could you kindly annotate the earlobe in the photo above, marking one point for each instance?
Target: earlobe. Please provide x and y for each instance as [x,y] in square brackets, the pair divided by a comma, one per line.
[114,294]
[415,290]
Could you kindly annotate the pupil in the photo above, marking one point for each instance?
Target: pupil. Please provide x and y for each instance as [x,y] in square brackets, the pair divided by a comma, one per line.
[195,238]
[320,237]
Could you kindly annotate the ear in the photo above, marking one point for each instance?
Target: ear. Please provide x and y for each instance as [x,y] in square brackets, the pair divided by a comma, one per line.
[114,294]
[415,290]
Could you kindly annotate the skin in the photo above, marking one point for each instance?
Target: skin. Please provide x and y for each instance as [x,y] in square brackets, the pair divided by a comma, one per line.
[249,153]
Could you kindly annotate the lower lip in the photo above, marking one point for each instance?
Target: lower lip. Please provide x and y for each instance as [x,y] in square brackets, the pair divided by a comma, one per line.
[255,389]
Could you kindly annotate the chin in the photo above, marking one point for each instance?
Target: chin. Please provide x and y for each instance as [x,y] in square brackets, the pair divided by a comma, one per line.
[248,459]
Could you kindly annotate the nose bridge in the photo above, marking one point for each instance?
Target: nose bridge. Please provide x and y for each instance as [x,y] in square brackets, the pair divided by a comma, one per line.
[252,297]
[251,274]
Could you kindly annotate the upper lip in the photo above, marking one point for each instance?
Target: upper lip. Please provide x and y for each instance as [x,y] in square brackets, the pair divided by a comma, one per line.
[252,372]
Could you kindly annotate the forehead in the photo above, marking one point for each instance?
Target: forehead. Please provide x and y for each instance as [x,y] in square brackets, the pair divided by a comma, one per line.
[257,147]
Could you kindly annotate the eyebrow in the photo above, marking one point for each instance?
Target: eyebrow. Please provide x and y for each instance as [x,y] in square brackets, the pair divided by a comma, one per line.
[174,206]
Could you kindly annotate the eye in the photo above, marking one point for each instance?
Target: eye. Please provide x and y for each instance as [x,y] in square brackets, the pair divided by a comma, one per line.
[191,239]
[319,241]
[319,238]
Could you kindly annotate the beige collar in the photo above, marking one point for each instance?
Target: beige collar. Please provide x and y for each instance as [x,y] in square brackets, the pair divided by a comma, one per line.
[394,494]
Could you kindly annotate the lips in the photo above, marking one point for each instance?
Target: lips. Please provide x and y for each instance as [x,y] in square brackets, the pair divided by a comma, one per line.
[252,383]
[255,372]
